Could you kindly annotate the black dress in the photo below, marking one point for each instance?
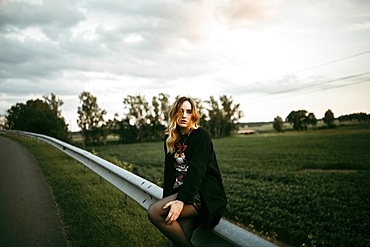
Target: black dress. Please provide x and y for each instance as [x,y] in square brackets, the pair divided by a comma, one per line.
[203,176]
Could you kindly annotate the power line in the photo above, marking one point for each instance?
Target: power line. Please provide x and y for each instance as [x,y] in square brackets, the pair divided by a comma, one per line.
[314,85]
[324,64]
[343,85]
[324,89]
[304,70]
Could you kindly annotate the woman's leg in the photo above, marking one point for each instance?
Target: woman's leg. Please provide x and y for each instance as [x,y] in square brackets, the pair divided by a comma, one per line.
[180,231]
[188,225]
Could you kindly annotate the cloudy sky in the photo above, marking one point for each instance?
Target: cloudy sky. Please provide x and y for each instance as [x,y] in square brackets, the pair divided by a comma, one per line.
[271,56]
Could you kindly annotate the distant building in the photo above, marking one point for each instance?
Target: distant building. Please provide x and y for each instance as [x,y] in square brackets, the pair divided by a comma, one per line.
[246,132]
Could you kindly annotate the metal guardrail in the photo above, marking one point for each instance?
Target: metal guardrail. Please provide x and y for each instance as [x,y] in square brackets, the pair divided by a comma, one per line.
[145,193]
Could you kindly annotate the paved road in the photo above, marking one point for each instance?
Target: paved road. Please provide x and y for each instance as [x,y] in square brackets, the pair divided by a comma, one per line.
[28,214]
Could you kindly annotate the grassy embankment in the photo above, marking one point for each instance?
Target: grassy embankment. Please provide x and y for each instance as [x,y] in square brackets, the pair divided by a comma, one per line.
[94,214]
[268,191]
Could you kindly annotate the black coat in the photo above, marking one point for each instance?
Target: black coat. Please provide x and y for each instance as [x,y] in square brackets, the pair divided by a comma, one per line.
[203,175]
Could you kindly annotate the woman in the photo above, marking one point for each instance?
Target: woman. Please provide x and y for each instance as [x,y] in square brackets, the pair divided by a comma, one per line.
[193,193]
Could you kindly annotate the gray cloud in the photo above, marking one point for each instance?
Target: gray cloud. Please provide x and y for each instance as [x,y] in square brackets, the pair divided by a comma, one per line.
[18,52]
[25,87]
[69,46]
[30,59]
[159,25]
[52,16]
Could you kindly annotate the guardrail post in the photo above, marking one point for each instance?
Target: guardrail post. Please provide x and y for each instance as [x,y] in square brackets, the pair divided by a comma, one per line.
[127,199]
[85,169]
[101,180]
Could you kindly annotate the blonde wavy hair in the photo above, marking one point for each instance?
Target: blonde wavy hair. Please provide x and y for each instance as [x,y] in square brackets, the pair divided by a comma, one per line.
[174,134]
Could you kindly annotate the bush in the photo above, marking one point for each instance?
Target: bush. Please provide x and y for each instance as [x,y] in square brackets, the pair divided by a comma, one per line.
[115,161]
[278,124]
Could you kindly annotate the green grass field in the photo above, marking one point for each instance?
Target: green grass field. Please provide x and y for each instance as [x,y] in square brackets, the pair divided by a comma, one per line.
[94,214]
[268,191]
[267,183]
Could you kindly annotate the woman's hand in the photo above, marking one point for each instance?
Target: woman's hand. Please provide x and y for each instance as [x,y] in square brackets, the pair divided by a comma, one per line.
[175,210]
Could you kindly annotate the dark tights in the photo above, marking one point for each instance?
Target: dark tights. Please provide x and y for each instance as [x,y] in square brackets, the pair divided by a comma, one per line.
[180,231]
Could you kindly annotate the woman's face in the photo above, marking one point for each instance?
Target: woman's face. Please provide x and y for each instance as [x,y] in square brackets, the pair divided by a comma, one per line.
[186,115]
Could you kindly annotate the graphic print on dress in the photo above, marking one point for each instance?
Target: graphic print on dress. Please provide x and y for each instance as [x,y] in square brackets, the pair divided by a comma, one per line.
[181,166]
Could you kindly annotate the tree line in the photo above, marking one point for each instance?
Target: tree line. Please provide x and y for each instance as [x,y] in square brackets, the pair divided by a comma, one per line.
[143,121]
[301,119]
[355,117]
[39,116]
